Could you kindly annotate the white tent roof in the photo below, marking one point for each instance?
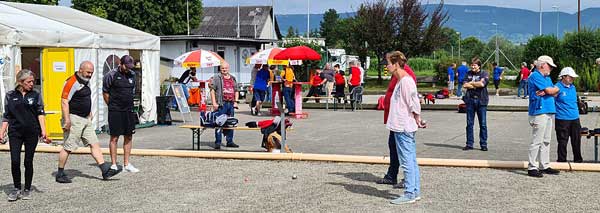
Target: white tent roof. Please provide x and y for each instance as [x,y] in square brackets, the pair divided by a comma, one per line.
[43,25]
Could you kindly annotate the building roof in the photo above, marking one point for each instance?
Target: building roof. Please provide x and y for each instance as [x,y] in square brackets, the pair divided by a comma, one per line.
[44,25]
[223,22]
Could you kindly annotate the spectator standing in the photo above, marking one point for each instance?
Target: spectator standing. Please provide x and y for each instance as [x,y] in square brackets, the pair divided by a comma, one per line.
[24,117]
[523,83]
[451,75]
[328,76]
[118,88]
[567,116]
[498,75]
[354,79]
[340,82]
[461,72]
[476,98]
[541,113]
[224,96]
[288,89]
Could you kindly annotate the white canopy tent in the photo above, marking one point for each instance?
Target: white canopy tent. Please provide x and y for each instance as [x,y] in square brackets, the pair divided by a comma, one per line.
[93,39]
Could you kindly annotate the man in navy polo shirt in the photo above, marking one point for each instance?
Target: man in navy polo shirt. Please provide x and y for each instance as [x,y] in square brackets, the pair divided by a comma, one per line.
[541,113]
[567,116]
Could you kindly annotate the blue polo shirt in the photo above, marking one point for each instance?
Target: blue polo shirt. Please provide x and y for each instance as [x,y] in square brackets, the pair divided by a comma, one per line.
[540,105]
[451,73]
[566,102]
[497,73]
[462,72]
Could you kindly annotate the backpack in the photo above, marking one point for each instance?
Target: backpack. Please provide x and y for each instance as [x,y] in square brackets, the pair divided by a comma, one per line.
[213,119]
[582,106]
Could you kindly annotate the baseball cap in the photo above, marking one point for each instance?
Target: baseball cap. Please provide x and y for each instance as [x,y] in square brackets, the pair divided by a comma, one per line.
[568,71]
[546,59]
[127,60]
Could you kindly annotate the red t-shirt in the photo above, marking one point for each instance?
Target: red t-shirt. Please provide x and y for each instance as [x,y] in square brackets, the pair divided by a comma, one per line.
[525,73]
[339,79]
[316,80]
[390,91]
[355,80]
[228,90]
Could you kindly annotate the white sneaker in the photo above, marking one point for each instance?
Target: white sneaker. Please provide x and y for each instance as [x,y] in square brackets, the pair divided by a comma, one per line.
[131,168]
[114,167]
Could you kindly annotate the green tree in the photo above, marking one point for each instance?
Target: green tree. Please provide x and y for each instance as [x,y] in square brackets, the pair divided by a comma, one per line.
[544,45]
[329,27]
[580,50]
[413,36]
[291,33]
[155,17]
[472,47]
[47,2]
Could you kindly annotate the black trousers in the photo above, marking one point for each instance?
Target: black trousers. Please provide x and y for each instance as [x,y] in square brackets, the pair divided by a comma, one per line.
[15,144]
[566,129]
[314,91]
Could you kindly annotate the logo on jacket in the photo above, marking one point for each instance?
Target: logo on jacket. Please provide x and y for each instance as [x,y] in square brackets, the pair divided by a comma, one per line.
[30,101]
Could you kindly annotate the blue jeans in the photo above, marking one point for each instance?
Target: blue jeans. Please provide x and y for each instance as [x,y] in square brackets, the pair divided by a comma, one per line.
[407,153]
[226,108]
[288,94]
[392,173]
[185,91]
[459,88]
[522,86]
[269,91]
[474,106]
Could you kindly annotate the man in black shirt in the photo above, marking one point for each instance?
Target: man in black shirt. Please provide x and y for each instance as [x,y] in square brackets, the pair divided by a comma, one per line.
[118,90]
[76,105]
[185,78]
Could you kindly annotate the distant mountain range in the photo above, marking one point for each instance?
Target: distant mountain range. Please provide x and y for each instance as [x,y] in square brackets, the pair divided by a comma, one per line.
[517,25]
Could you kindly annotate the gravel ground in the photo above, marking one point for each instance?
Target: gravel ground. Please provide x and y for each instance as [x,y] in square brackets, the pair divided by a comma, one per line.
[206,185]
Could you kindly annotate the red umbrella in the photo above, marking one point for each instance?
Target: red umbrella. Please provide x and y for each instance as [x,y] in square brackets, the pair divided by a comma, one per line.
[298,53]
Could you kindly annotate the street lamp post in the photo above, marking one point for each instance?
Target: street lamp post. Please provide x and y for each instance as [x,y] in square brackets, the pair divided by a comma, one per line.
[497,52]
[557,18]
[459,38]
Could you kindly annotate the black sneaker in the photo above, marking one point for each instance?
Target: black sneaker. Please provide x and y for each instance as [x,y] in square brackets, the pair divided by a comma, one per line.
[217,147]
[467,148]
[107,172]
[484,149]
[386,181]
[232,145]
[62,178]
[550,171]
[535,173]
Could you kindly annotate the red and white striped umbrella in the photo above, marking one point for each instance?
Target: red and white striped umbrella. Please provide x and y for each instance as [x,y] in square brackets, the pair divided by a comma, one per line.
[199,59]
[266,57]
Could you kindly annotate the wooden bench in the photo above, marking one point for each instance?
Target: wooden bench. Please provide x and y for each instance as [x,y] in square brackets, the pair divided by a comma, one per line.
[198,130]
[428,79]
[321,98]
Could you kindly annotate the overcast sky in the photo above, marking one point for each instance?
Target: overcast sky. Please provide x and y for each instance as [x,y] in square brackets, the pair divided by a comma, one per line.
[320,6]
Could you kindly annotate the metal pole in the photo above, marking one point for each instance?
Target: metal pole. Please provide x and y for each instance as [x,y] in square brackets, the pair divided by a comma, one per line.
[238,21]
[540,17]
[578,15]
[308,22]
[459,40]
[557,18]
[273,17]
[497,59]
[187,11]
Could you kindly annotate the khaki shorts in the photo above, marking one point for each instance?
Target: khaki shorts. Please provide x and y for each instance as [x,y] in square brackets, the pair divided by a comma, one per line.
[81,134]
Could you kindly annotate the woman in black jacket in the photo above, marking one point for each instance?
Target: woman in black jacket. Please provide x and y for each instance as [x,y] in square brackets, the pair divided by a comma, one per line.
[24,119]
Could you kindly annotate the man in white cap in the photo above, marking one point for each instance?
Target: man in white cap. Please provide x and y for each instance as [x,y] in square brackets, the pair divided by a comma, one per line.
[541,113]
[567,116]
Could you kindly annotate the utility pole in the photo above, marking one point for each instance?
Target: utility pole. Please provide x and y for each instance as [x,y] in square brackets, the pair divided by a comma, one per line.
[459,40]
[497,52]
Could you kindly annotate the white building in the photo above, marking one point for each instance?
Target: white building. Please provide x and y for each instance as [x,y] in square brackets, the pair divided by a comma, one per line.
[233,37]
